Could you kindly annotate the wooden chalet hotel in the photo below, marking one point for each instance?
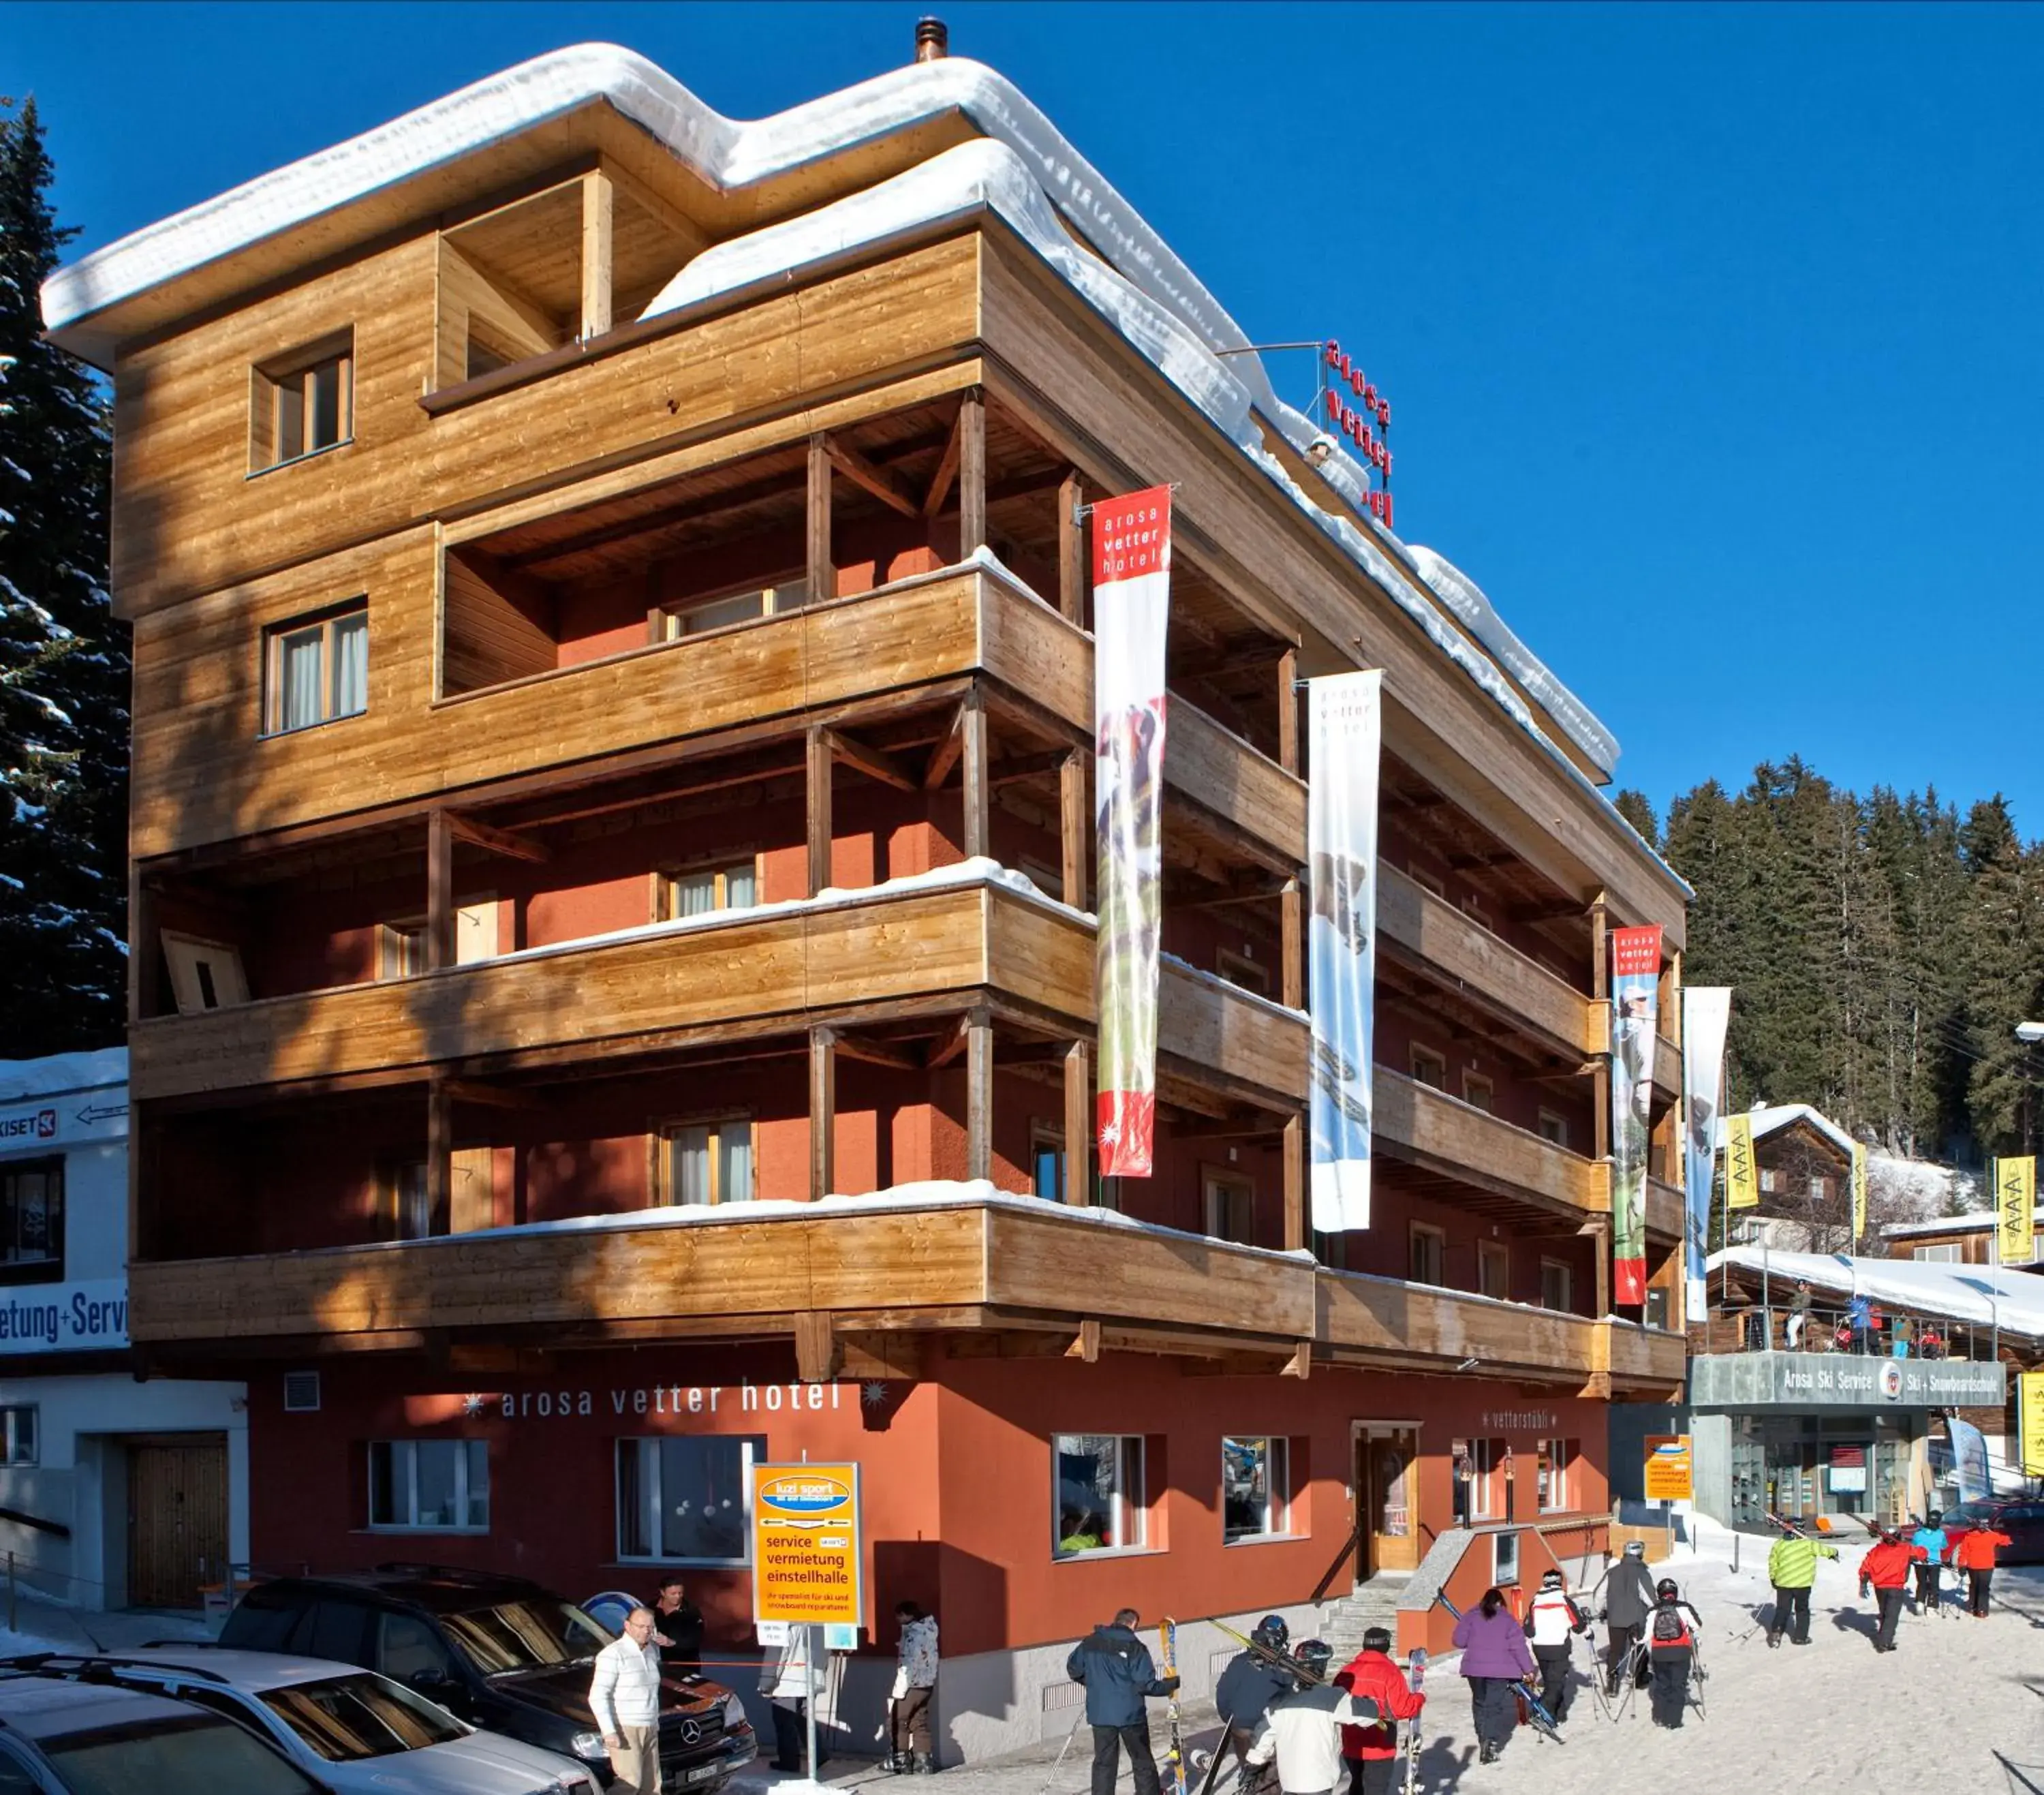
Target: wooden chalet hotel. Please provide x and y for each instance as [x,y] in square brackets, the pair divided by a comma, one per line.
[613,740]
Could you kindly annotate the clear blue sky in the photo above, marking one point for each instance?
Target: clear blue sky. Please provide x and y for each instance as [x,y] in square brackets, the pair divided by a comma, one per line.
[1713,333]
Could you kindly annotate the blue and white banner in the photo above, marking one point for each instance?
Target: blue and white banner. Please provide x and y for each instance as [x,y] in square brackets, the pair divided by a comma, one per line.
[1706,1021]
[1969,1459]
[1344,734]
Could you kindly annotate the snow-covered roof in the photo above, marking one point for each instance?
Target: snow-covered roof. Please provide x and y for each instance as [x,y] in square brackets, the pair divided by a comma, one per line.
[59,1072]
[1774,1117]
[1980,1295]
[1026,171]
[1975,1221]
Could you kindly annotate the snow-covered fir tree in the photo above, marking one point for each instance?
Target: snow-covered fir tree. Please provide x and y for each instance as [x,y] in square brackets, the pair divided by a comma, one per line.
[63,658]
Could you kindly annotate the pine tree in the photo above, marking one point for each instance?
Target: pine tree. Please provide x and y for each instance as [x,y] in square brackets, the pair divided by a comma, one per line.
[2004,972]
[1637,808]
[64,658]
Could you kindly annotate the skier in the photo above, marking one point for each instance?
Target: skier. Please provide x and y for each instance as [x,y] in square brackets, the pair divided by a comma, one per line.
[1886,1567]
[1792,1568]
[1931,1537]
[1671,1645]
[1302,1732]
[1118,1672]
[1494,1657]
[1628,1597]
[1371,1751]
[1550,1622]
[1251,1683]
[1974,1554]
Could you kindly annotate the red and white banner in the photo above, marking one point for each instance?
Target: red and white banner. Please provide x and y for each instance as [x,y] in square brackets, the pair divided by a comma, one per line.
[1635,1003]
[1131,597]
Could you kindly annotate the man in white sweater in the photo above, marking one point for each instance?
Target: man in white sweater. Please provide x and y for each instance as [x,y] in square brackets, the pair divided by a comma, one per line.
[624,1696]
[1302,1731]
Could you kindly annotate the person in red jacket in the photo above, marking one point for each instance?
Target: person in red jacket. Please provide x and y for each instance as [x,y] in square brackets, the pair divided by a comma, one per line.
[1371,1751]
[1974,1554]
[1886,1567]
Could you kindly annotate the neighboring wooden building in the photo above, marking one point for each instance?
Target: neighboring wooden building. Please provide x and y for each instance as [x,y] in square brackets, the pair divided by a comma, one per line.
[1967,1239]
[1805,1159]
[607,779]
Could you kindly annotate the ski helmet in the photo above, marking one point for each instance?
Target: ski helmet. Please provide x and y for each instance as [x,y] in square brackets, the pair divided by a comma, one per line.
[1271,1632]
[1550,1580]
[1376,1638]
[1635,1548]
[1314,1655]
[1666,1590]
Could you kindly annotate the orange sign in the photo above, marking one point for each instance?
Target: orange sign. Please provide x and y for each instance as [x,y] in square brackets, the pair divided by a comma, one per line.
[1669,1477]
[806,1545]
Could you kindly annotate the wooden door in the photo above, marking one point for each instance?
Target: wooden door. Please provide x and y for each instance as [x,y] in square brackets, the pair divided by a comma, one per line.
[1393,1521]
[177,1518]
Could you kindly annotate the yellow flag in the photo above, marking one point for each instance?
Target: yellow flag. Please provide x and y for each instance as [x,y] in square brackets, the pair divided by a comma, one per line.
[1742,1176]
[1858,1194]
[2014,1202]
[2030,1404]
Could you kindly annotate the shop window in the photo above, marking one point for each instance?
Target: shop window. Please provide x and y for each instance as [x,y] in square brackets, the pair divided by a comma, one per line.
[1240,970]
[1229,1201]
[703,1164]
[32,1221]
[699,616]
[1949,1254]
[18,1434]
[1429,1253]
[429,1486]
[1554,1478]
[1255,1487]
[1493,1269]
[1489,1462]
[1430,1068]
[1553,1128]
[302,403]
[1099,1498]
[686,1501]
[1479,1093]
[697,891]
[316,669]
[1558,1286]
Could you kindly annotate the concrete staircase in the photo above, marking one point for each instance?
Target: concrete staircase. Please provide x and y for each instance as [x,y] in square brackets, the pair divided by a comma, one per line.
[1344,1619]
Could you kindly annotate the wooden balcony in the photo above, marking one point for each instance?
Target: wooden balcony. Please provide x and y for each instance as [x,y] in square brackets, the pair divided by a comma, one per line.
[1457,1142]
[1417,925]
[662,990]
[1667,1073]
[1664,1206]
[1388,1321]
[1638,1359]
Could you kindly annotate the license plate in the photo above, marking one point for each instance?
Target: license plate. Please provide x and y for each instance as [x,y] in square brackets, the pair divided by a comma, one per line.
[702,1773]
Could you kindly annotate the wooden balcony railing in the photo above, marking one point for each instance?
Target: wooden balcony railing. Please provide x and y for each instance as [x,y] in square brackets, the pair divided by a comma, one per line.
[1415,1324]
[1634,1357]
[1441,1134]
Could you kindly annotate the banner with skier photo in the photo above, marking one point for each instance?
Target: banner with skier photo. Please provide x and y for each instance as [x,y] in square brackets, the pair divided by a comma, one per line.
[1132,573]
[1344,730]
[1635,1005]
[1706,1020]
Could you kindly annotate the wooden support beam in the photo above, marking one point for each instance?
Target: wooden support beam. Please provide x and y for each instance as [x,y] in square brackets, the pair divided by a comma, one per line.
[977,833]
[893,1357]
[1071,550]
[816,1347]
[440,1154]
[1012,769]
[944,756]
[945,1051]
[1600,988]
[439,943]
[822,1112]
[1295,1184]
[145,938]
[871,1052]
[1599,1231]
[875,764]
[490,1096]
[1287,710]
[1292,950]
[1085,1344]
[972,473]
[597,208]
[507,842]
[820,761]
[1300,1364]
[861,472]
[1078,1124]
[948,467]
[979,1095]
[1074,827]
[822,570]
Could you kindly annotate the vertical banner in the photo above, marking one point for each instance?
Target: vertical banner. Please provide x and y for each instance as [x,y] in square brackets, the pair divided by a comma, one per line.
[2015,1204]
[1706,1021]
[1635,1003]
[1969,1459]
[1344,732]
[2030,1420]
[1858,1194]
[1742,1175]
[1131,596]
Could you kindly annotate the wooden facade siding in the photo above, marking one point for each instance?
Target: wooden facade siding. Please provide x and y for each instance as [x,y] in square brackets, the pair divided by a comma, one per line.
[1440,1132]
[1640,1356]
[1665,1207]
[1359,1313]
[1435,932]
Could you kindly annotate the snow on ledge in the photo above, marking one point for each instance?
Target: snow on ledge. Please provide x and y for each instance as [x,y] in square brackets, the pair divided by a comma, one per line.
[59,1072]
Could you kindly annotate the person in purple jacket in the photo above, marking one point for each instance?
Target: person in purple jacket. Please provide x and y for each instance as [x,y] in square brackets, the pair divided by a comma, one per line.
[1494,1656]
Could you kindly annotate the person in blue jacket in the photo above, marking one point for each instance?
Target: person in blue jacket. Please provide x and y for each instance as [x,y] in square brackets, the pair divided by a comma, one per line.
[1119,1674]
[1931,1537]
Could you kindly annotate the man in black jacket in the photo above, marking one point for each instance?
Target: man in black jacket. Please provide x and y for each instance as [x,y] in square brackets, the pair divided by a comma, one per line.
[1251,1683]
[1119,1674]
[1628,1599]
[677,1628]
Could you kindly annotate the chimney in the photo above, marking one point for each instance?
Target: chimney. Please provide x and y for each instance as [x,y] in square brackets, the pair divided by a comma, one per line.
[933,42]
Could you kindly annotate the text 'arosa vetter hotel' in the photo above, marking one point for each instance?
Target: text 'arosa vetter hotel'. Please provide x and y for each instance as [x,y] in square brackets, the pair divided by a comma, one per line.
[617,989]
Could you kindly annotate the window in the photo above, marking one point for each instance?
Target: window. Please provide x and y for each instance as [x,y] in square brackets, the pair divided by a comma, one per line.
[704,1164]
[302,403]
[1255,1487]
[1429,1251]
[698,615]
[408,1646]
[400,950]
[316,669]
[1950,1253]
[401,947]
[1553,1128]
[1770,1179]
[18,1434]
[1493,1269]
[1555,1475]
[696,891]
[32,1221]
[204,974]
[1047,1162]
[1430,1068]
[1489,1474]
[1425,880]
[684,1500]
[407,1210]
[1230,1206]
[435,1486]
[352,1719]
[1479,1092]
[1240,970]
[1099,1506]
[1556,1285]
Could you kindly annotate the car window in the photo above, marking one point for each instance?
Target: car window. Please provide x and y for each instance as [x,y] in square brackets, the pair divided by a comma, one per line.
[15,1778]
[332,1629]
[347,1718]
[525,1635]
[182,1754]
[262,1622]
[407,1647]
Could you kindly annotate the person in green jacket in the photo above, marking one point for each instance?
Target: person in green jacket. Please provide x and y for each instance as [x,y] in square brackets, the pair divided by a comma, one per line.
[1792,1568]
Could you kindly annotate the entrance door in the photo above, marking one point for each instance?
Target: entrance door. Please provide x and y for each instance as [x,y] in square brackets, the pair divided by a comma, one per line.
[177,1518]
[1386,1491]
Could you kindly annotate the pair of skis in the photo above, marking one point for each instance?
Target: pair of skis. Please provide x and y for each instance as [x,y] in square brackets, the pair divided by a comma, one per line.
[1174,1743]
[1541,1721]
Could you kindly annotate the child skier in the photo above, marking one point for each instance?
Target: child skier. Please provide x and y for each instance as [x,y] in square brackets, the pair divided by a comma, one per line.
[1931,1537]
[1551,1622]
[1302,1733]
[1672,1631]
[1371,1751]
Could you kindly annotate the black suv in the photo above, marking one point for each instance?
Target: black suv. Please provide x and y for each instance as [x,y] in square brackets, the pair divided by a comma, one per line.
[501,1652]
